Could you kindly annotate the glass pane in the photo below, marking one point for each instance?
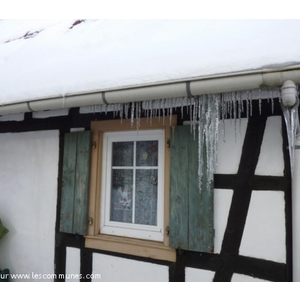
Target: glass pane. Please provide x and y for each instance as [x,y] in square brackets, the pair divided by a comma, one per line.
[147,153]
[146,197]
[122,154]
[121,196]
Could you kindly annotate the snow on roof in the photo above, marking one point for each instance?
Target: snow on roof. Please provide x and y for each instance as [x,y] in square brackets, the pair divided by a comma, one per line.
[48,58]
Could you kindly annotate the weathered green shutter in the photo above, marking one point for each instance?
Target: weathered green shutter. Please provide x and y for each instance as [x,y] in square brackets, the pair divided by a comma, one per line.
[75,183]
[191,213]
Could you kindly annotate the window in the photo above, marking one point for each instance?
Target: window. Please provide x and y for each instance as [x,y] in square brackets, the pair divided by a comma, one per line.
[129,188]
[132,195]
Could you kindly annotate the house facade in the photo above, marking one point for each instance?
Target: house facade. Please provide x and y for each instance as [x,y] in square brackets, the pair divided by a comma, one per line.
[187,180]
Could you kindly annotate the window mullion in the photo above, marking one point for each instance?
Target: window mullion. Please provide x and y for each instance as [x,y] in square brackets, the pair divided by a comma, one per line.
[134,184]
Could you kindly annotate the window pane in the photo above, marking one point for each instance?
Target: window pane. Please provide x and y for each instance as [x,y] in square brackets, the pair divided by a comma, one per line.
[122,154]
[121,196]
[147,153]
[146,197]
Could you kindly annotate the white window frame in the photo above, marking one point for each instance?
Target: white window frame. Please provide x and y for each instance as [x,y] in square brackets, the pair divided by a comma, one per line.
[148,232]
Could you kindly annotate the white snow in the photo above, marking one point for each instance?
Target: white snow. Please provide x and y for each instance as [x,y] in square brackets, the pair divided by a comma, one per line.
[99,55]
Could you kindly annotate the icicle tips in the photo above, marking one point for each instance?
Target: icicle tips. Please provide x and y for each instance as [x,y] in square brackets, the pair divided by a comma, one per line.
[206,113]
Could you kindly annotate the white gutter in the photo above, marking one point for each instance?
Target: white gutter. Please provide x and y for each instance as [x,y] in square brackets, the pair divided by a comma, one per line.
[191,87]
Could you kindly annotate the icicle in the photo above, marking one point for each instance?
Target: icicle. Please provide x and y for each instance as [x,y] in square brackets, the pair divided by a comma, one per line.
[223,115]
[247,104]
[182,108]
[114,110]
[251,100]
[151,111]
[208,138]
[155,108]
[229,106]
[121,112]
[208,125]
[200,145]
[240,110]
[272,102]
[259,101]
[126,109]
[234,100]
[187,105]
[171,110]
[139,114]
[63,100]
[146,106]
[132,114]
[164,110]
[291,121]
[208,111]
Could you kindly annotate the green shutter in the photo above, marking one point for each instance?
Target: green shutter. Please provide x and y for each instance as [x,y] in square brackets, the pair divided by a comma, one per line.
[191,213]
[75,183]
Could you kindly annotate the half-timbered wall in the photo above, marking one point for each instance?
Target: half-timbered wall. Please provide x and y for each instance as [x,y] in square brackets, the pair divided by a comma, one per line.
[252,209]
[28,199]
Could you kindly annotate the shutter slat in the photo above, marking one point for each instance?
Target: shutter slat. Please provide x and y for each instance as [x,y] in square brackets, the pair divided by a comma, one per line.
[201,205]
[82,183]
[194,203]
[68,183]
[179,190]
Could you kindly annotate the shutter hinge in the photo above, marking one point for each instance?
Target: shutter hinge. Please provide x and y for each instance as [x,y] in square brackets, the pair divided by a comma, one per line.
[168,143]
[94,145]
[91,221]
[167,230]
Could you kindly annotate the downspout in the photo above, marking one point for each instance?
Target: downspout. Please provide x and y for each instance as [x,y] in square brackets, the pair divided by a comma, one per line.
[240,81]
[296,212]
[289,104]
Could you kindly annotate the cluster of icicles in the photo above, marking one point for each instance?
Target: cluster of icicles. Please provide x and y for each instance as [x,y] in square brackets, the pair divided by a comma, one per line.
[207,114]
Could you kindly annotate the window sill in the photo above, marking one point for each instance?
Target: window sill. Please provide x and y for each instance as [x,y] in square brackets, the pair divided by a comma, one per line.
[149,249]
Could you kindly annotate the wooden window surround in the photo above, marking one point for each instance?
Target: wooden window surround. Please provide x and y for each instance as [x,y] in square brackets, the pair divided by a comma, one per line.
[126,245]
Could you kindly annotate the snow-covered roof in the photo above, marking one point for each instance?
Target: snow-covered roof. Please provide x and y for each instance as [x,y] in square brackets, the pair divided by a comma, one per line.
[48,58]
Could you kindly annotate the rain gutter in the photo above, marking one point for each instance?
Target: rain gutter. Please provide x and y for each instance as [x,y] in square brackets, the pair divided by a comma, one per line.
[247,80]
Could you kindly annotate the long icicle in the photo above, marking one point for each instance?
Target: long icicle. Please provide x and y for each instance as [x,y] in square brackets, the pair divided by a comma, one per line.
[291,121]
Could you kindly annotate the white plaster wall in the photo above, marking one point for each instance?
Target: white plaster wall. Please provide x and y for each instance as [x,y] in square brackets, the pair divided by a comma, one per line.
[12,117]
[50,113]
[197,275]
[222,202]
[230,146]
[28,198]
[245,278]
[271,157]
[116,269]
[264,233]
[72,265]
